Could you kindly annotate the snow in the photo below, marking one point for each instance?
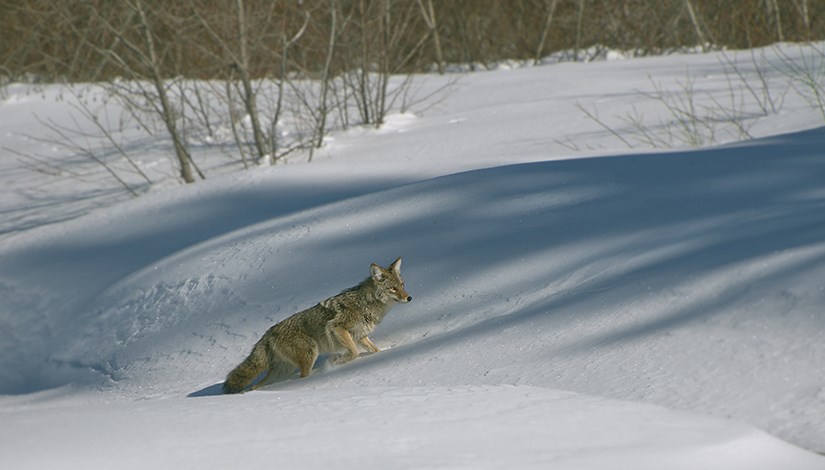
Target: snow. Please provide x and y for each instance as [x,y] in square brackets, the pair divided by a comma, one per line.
[409,427]
[577,304]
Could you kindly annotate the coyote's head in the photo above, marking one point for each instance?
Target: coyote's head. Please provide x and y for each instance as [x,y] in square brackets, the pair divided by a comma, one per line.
[389,281]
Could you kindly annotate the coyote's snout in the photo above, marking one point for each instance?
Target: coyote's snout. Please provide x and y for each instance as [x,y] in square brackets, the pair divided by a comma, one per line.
[336,325]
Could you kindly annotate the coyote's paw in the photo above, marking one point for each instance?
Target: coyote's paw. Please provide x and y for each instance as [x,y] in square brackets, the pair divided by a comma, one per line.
[341,359]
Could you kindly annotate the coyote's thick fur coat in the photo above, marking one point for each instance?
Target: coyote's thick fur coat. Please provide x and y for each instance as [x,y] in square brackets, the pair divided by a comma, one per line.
[335,325]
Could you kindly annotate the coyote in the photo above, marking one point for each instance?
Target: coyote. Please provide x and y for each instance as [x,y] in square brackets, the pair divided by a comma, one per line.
[334,325]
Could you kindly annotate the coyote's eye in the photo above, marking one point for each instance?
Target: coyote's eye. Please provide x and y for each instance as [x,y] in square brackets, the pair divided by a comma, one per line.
[393,289]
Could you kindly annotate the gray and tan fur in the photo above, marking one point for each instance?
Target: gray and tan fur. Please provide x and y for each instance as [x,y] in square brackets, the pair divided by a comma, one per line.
[336,325]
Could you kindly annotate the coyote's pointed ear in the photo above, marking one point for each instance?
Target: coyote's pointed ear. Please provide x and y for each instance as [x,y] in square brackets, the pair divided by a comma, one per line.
[376,272]
[396,266]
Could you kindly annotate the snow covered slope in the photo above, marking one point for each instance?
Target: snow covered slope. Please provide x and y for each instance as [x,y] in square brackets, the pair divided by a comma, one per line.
[692,280]
[400,427]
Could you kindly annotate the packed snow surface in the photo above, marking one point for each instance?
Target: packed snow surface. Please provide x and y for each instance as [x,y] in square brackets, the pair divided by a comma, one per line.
[577,304]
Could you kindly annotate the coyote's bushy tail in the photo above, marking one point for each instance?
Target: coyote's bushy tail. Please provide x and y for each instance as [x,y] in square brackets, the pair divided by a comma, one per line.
[245,373]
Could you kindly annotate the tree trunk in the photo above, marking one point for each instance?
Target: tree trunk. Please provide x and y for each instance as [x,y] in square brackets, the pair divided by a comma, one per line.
[249,98]
[168,115]
[696,27]
[777,19]
[579,20]
[321,122]
[428,13]
[547,22]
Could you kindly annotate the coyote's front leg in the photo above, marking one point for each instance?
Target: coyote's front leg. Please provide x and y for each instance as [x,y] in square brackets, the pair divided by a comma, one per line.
[367,343]
[346,340]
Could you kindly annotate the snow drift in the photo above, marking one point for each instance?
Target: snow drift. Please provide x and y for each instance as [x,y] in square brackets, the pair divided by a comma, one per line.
[691,280]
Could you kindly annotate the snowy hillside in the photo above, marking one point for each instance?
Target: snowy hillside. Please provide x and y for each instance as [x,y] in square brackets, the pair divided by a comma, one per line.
[576,303]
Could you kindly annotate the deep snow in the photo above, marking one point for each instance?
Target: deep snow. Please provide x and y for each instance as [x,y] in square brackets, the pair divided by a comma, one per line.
[689,279]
